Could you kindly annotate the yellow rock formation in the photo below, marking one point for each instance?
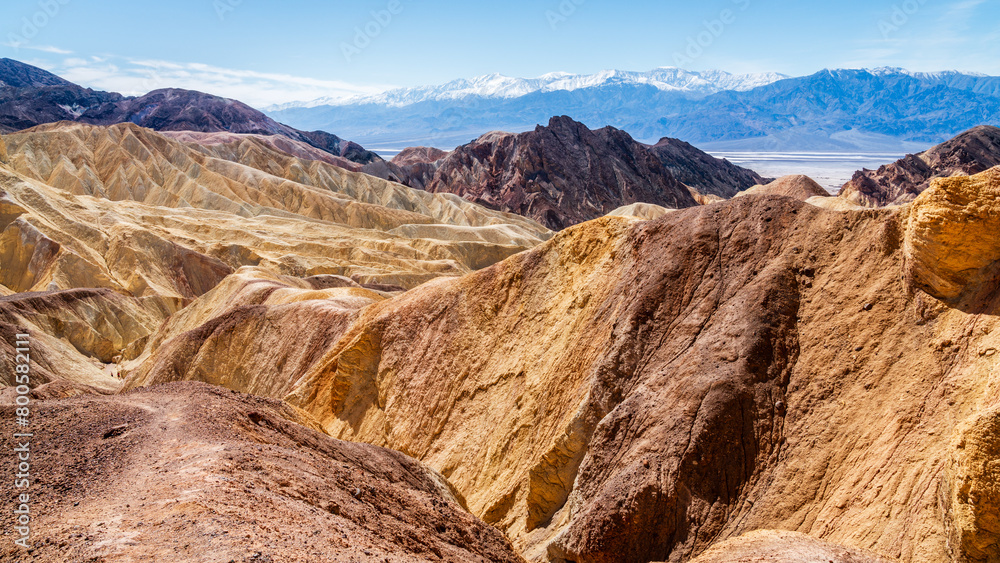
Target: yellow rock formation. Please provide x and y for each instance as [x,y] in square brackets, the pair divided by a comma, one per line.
[953,233]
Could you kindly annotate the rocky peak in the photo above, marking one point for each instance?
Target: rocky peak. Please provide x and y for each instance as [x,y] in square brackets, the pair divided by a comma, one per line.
[560,174]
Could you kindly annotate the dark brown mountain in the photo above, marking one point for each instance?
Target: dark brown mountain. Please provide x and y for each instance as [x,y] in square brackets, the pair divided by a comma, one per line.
[14,74]
[702,171]
[972,152]
[559,175]
[30,96]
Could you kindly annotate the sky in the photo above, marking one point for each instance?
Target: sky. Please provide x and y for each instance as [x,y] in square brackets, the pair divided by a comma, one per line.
[267,53]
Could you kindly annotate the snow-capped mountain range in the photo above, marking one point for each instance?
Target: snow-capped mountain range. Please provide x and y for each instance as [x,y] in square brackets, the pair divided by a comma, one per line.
[869,110]
[498,86]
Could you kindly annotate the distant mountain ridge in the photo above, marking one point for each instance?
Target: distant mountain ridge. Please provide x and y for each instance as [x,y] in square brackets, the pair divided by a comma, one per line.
[31,96]
[670,79]
[876,110]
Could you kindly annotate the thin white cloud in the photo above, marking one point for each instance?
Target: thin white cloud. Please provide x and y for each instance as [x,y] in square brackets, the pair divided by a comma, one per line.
[965,8]
[259,89]
[43,48]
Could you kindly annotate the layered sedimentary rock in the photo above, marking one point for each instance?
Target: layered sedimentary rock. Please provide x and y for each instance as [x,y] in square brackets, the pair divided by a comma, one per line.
[128,209]
[559,175]
[643,390]
[188,472]
[972,152]
[105,232]
[236,336]
[643,211]
[231,146]
[702,171]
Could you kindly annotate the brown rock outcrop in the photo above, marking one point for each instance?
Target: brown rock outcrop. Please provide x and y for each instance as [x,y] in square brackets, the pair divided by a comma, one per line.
[795,186]
[559,175]
[188,472]
[971,152]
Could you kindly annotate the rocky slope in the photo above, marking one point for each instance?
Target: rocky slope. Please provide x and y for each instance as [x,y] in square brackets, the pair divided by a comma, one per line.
[702,171]
[30,96]
[189,472]
[559,175]
[79,335]
[973,151]
[228,146]
[643,390]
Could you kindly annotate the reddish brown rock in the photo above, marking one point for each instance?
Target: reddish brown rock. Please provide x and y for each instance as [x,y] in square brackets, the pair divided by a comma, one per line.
[560,175]
[972,152]
[188,472]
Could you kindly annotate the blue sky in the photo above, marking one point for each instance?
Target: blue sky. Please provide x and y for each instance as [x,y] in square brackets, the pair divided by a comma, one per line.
[273,52]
